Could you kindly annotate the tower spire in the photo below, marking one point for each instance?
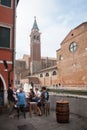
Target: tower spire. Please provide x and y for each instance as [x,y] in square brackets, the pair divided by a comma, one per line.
[34,17]
[35,26]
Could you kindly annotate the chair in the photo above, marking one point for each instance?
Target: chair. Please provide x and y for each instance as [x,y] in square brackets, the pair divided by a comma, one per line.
[21,108]
[46,108]
[2,109]
[32,106]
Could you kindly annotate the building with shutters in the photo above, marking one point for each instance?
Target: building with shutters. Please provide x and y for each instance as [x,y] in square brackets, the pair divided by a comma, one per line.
[7,46]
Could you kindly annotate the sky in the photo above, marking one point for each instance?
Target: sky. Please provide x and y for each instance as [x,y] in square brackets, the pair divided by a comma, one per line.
[55,19]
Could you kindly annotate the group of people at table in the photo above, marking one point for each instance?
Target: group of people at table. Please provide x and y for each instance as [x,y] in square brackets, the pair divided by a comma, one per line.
[18,98]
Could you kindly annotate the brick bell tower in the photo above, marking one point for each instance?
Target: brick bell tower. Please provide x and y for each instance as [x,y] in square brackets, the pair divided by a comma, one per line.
[35,48]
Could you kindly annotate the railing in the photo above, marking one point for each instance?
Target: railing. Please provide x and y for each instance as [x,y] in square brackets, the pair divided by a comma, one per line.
[69,91]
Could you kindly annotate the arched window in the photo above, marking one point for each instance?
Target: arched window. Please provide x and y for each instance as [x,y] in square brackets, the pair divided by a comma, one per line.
[73,47]
[54,73]
[47,74]
[60,57]
[34,36]
[38,37]
[41,75]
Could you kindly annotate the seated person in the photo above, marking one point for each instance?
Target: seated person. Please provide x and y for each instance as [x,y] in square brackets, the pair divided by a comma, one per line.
[31,95]
[37,95]
[21,98]
[43,99]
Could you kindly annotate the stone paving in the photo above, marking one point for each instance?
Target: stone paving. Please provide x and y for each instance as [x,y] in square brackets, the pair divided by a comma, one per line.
[42,123]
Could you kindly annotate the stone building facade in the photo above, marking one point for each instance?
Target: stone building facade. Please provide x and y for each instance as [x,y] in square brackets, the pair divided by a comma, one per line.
[23,75]
[48,77]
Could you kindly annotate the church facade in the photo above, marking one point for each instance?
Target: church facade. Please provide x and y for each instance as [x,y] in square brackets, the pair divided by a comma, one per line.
[72,58]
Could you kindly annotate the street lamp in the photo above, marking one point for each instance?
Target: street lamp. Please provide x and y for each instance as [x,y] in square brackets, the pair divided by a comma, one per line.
[6,70]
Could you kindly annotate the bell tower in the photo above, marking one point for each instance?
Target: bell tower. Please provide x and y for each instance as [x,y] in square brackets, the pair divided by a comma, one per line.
[35,48]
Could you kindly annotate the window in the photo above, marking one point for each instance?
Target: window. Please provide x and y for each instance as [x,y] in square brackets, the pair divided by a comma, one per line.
[34,37]
[6,2]
[37,37]
[54,73]
[73,47]
[4,37]
[47,74]
[22,64]
[60,57]
[41,75]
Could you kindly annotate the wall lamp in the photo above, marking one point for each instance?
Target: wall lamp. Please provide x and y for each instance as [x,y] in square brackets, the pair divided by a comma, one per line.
[5,65]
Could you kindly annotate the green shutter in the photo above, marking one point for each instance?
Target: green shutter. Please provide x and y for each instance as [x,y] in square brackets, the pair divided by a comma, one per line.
[4,37]
[6,2]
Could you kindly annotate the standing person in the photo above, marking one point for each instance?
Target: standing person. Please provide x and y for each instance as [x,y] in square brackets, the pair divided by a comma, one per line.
[11,100]
[43,99]
[21,102]
[21,98]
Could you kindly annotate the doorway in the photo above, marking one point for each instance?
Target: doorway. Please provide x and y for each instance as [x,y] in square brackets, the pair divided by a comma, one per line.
[1,93]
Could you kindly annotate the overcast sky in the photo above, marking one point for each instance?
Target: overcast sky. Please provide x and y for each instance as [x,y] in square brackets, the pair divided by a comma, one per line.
[55,19]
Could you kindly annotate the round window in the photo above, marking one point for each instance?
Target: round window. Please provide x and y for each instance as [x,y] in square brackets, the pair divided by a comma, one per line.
[73,47]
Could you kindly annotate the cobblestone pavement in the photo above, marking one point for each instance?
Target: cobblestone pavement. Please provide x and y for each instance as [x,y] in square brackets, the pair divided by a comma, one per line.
[42,123]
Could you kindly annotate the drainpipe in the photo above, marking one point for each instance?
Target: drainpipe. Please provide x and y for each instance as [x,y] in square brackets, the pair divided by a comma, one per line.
[14,34]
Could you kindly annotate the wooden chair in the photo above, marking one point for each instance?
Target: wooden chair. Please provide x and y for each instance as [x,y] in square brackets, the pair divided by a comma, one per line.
[32,107]
[1,109]
[46,108]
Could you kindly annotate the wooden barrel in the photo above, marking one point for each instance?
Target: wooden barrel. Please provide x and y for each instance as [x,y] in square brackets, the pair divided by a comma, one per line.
[62,111]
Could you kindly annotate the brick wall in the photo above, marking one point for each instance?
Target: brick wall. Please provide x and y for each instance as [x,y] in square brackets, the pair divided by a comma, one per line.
[73,65]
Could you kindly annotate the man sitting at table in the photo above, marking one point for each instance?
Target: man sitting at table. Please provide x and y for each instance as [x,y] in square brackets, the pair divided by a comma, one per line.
[43,99]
